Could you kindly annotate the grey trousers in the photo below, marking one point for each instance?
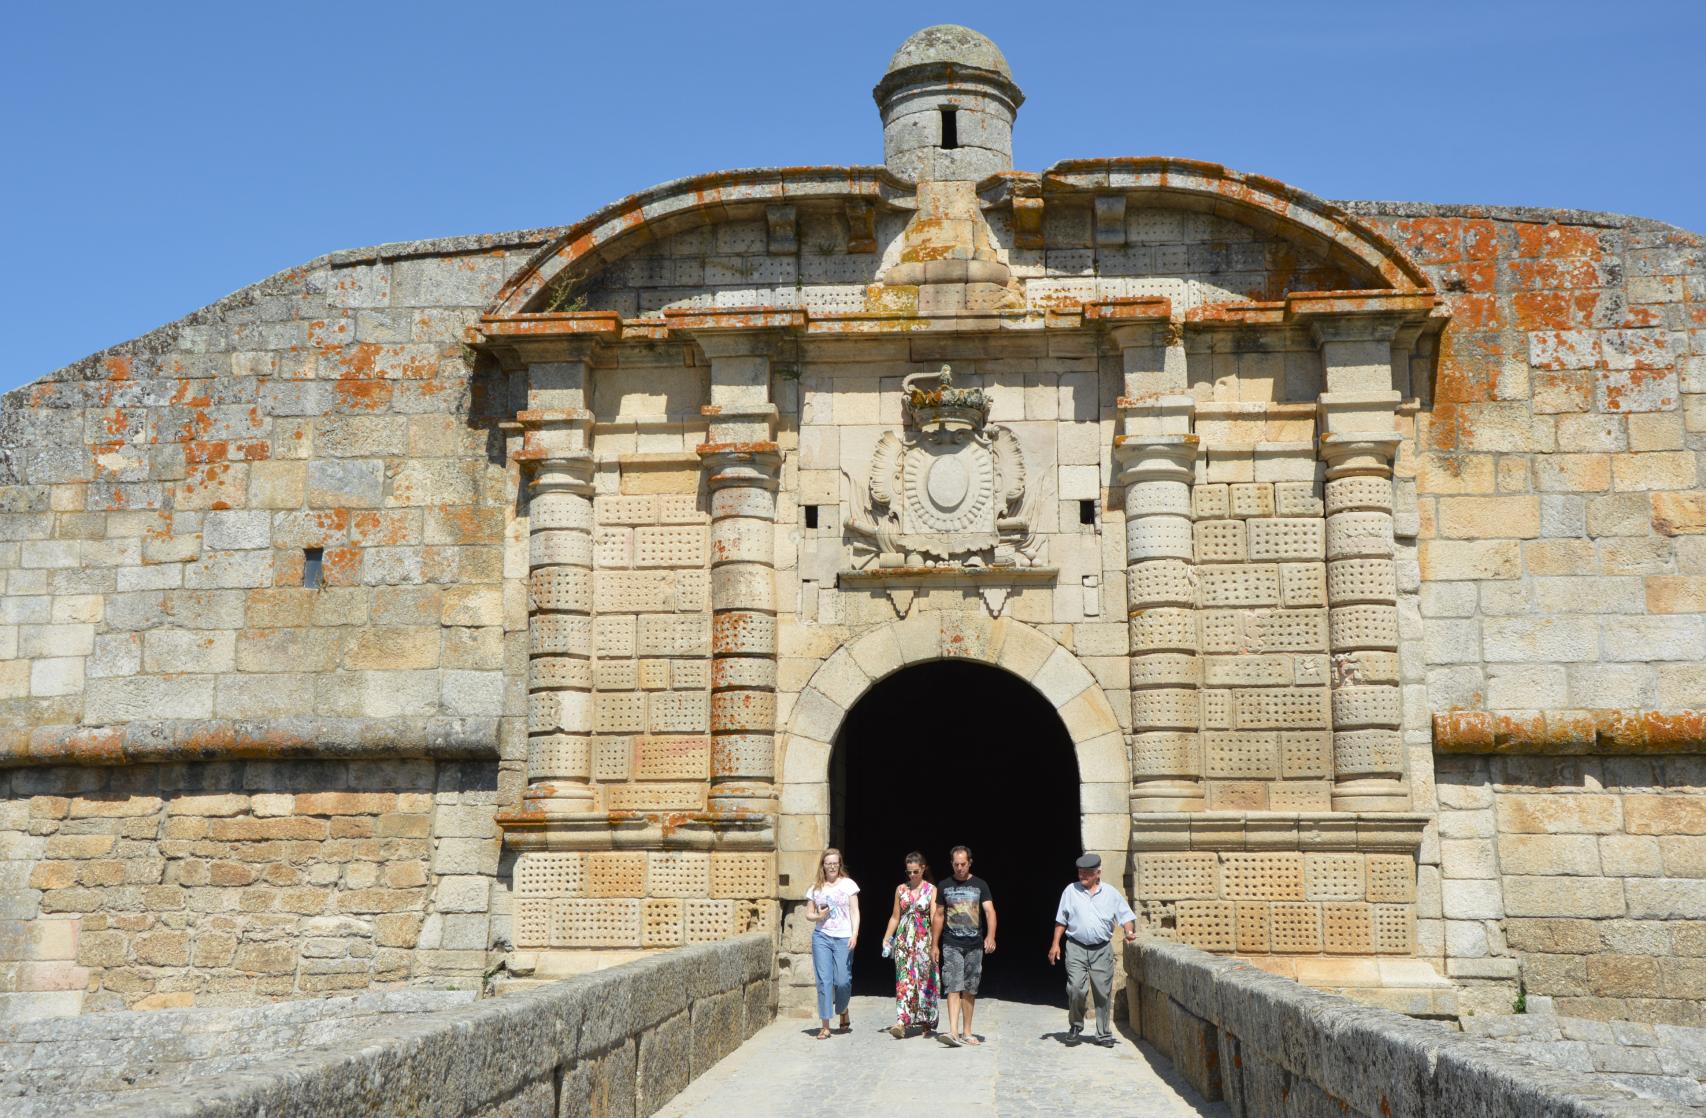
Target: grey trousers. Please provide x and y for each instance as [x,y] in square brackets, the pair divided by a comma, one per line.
[1089,969]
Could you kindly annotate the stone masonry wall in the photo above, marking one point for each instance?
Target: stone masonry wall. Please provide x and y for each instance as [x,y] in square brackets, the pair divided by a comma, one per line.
[1587,872]
[160,505]
[1267,1047]
[231,883]
[66,1065]
[620,1042]
[1556,470]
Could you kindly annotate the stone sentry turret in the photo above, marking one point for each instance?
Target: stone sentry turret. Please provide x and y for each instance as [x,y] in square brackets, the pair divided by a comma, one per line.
[948,100]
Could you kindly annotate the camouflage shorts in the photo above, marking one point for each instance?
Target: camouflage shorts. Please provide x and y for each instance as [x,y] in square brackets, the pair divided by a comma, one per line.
[962,968]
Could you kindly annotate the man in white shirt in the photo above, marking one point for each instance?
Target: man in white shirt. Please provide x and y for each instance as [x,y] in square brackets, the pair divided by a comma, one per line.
[1087,915]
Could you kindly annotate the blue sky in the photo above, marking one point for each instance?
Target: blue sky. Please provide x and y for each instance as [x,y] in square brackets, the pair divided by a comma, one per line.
[163,155]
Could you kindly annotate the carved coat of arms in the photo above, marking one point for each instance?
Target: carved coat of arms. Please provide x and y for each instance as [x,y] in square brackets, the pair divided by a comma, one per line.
[948,490]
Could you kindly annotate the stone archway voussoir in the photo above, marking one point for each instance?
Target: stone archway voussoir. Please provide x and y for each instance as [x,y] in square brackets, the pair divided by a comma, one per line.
[1088,716]
[1061,678]
[817,716]
[1024,651]
[877,653]
[1102,760]
[919,638]
[841,679]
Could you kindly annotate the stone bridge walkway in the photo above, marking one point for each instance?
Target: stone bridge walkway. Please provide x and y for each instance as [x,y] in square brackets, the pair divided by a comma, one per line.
[1022,1069]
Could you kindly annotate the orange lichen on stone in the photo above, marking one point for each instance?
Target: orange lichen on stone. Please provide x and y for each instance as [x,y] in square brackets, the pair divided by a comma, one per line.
[1570,732]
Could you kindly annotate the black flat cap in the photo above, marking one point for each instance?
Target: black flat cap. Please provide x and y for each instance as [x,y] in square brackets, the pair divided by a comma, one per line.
[1090,862]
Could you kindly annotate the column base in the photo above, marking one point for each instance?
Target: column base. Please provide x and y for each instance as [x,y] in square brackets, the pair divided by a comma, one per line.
[1376,794]
[1150,796]
[566,797]
[743,798]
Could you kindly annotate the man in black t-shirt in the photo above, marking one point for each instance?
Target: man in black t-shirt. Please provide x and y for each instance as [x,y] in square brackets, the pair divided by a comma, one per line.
[964,927]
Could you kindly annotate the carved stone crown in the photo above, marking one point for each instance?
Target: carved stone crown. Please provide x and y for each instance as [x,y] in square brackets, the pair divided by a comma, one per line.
[943,405]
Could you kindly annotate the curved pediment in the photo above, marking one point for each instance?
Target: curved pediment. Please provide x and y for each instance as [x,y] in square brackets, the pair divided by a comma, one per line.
[1263,204]
[839,240]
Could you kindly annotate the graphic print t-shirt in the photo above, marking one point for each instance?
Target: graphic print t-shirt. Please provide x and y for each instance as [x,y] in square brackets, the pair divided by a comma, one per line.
[962,909]
[837,900]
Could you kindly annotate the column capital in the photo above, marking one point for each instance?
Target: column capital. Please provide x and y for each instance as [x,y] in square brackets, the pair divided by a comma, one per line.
[551,434]
[521,340]
[1358,316]
[735,331]
[566,473]
[1144,322]
[1155,458]
[1359,453]
[751,464]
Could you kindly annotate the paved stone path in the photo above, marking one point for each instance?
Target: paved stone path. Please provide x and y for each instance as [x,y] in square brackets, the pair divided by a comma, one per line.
[1022,1069]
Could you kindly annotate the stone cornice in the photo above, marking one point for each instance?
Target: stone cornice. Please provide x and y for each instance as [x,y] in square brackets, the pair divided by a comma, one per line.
[306,738]
[1611,733]
[1362,831]
[590,335]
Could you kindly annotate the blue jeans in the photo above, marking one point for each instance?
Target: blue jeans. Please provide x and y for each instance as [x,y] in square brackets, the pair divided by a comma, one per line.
[833,964]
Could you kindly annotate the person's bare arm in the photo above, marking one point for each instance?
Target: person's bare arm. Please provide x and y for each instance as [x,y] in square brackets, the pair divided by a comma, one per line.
[853,911]
[936,917]
[1054,948]
[989,919]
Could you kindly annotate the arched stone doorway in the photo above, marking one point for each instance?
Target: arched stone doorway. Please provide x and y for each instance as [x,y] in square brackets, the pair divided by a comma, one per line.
[949,752]
[1042,666]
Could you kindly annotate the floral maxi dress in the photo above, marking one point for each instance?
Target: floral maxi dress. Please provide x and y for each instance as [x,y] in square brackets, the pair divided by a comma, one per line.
[916,981]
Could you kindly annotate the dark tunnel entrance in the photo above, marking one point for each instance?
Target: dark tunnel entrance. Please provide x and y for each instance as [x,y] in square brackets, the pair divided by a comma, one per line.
[953,752]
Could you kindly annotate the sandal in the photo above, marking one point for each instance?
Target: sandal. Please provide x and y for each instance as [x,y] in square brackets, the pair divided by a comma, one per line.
[846,1025]
[822,1034]
[898,1031]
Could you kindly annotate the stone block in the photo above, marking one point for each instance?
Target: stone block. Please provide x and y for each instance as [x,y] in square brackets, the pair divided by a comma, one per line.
[1471,900]
[1560,813]
[1657,814]
[1666,900]
[1471,859]
[1563,896]
[1565,855]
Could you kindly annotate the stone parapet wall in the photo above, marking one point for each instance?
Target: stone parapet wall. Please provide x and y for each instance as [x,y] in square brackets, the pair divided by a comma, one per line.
[1584,877]
[65,1065]
[1654,1061]
[621,1041]
[1271,1048]
[233,882]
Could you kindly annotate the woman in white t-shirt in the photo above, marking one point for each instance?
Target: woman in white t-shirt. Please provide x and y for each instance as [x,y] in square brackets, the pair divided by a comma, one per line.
[833,905]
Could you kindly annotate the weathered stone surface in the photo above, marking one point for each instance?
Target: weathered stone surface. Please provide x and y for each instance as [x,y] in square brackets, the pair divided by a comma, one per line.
[403,1053]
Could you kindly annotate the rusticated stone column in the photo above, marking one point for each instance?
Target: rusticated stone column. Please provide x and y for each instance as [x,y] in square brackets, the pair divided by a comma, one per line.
[742,464]
[1156,459]
[1166,714]
[742,480]
[1357,335]
[1362,601]
[557,457]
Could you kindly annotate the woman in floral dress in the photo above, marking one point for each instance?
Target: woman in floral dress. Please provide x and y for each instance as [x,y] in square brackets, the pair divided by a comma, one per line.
[916,980]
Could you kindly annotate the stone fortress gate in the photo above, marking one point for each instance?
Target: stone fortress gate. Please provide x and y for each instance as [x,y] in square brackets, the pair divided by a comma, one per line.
[509,603]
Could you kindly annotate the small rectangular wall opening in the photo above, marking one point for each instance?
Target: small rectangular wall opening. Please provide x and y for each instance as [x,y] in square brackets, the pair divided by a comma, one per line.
[811,516]
[1086,512]
[950,129]
[311,566]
